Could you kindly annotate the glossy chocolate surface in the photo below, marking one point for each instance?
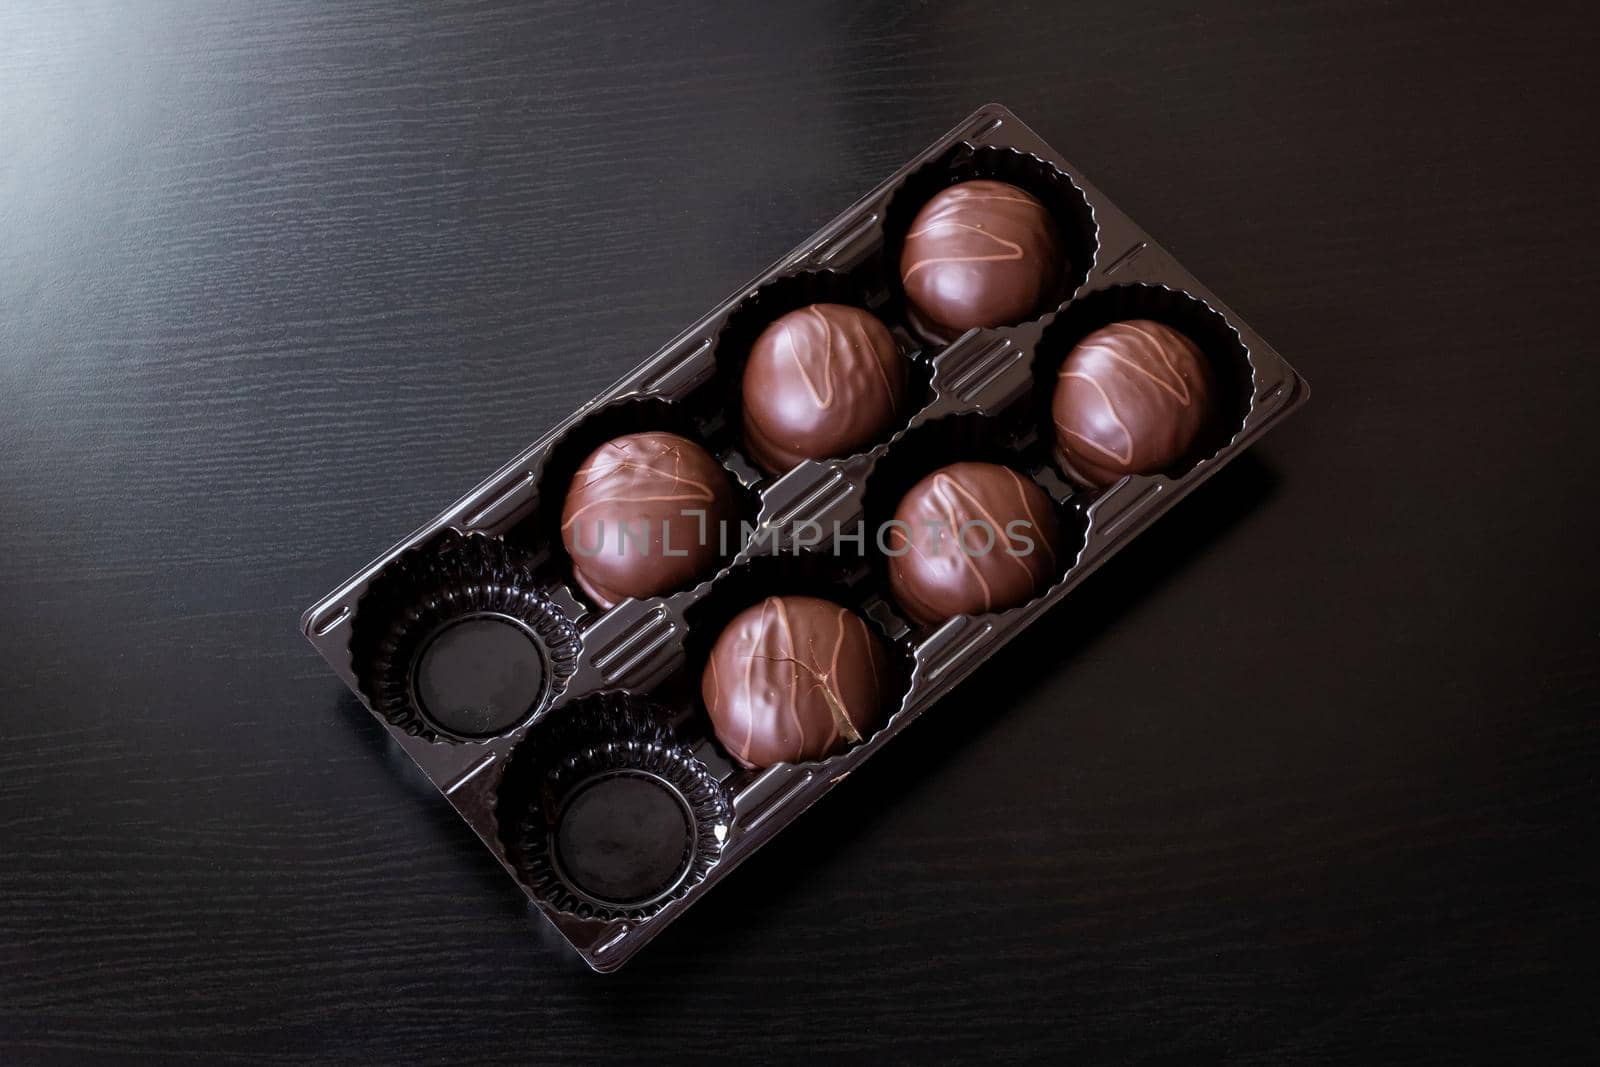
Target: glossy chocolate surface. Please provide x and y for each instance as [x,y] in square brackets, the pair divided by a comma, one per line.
[822,381]
[795,678]
[1130,398]
[971,538]
[980,253]
[642,517]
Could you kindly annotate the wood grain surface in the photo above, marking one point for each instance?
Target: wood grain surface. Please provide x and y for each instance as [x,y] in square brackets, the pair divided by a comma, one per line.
[1308,774]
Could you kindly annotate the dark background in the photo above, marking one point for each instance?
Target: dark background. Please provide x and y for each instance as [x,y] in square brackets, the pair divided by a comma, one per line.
[1307,773]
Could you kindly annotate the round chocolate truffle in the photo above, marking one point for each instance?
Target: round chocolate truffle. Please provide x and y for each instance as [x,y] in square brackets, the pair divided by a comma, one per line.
[971,538]
[643,516]
[981,253]
[794,678]
[823,381]
[1130,399]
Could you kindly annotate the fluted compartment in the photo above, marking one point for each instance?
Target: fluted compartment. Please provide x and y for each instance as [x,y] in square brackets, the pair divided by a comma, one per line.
[457,641]
[605,812]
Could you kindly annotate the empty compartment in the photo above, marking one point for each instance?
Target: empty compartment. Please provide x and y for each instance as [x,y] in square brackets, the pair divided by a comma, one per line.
[457,641]
[606,812]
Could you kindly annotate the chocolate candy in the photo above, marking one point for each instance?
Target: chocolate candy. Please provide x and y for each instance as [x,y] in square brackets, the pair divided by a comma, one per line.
[825,380]
[971,538]
[981,253]
[643,517]
[794,678]
[1130,399]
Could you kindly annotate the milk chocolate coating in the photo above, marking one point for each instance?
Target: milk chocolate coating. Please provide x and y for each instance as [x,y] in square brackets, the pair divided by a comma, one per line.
[981,253]
[1008,554]
[653,483]
[1130,399]
[826,380]
[795,678]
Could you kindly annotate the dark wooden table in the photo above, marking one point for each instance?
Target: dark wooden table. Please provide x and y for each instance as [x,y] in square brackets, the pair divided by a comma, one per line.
[279,280]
